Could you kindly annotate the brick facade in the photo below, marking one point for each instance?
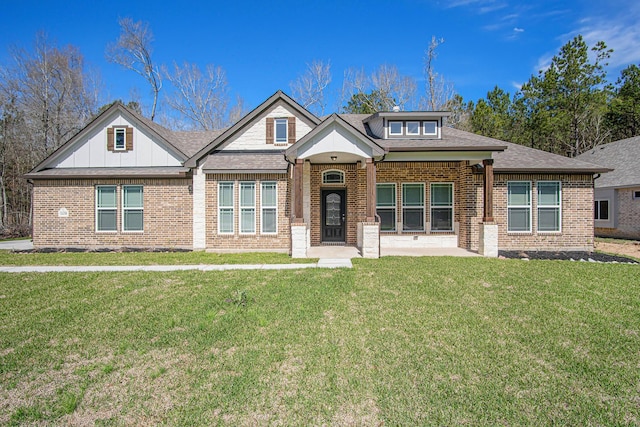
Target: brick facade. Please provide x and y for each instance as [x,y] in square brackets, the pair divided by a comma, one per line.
[256,241]
[576,220]
[627,216]
[167,214]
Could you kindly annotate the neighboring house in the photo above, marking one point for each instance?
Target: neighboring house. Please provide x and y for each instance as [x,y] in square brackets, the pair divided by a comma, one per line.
[282,179]
[617,193]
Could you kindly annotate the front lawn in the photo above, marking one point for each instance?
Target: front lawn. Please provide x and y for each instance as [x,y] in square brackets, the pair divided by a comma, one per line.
[394,341]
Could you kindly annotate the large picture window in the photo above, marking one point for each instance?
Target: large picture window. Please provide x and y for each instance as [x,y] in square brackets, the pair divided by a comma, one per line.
[549,206]
[225,207]
[269,206]
[132,208]
[413,207]
[442,207]
[247,207]
[106,208]
[519,206]
[386,206]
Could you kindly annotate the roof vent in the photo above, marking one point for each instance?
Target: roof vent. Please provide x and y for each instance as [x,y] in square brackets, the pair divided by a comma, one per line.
[396,108]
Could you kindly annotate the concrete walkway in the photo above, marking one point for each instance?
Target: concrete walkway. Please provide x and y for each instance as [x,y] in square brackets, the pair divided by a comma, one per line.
[329,257]
[16,245]
[323,263]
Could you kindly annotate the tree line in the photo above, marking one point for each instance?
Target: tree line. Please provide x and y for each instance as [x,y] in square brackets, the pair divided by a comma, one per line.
[47,94]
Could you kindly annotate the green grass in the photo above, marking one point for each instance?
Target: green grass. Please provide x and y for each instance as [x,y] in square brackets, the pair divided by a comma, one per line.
[145,258]
[394,341]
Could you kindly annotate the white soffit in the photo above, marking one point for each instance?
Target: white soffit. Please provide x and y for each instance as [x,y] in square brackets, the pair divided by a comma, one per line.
[335,140]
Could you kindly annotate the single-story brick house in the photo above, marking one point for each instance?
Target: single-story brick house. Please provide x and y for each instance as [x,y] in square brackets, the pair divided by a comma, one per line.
[282,179]
[617,193]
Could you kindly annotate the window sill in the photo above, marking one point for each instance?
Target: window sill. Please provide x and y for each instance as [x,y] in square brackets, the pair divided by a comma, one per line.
[520,233]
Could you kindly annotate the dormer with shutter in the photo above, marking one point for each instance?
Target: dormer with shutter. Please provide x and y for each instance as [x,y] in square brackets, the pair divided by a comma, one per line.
[407,124]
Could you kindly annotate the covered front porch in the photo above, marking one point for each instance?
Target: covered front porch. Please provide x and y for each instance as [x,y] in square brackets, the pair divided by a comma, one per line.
[337,175]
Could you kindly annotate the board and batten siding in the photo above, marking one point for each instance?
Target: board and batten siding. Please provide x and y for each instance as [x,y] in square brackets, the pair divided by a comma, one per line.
[254,136]
[93,152]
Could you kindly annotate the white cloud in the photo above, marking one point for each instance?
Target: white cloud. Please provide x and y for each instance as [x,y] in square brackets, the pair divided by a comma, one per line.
[620,33]
[518,30]
[517,86]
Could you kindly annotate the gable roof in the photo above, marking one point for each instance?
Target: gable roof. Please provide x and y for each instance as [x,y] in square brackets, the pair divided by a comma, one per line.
[279,96]
[335,118]
[622,156]
[161,134]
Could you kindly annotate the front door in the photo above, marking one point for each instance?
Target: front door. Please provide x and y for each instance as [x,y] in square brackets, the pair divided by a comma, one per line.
[333,215]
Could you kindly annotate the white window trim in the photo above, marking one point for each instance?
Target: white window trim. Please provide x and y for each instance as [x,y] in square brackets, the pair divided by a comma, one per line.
[636,194]
[424,210]
[453,204]
[333,171]
[286,131]
[407,127]
[232,207]
[131,209]
[401,128]
[115,138]
[559,206]
[394,207]
[106,209]
[244,208]
[598,201]
[262,208]
[529,206]
[424,128]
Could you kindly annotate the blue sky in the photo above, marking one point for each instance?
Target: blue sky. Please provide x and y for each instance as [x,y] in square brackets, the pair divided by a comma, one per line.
[264,45]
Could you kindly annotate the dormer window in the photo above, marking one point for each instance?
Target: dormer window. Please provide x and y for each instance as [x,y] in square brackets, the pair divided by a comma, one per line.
[281,130]
[430,127]
[413,128]
[395,128]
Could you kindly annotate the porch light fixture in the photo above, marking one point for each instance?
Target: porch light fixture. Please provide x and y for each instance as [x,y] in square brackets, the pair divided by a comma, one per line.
[334,158]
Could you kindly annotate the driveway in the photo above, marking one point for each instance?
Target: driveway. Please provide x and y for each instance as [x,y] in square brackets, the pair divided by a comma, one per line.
[16,245]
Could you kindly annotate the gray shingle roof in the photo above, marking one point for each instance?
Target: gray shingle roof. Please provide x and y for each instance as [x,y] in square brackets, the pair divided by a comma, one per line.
[245,161]
[520,158]
[516,158]
[622,156]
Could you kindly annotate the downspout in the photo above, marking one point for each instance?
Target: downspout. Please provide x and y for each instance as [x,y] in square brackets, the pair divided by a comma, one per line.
[293,164]
[30,182]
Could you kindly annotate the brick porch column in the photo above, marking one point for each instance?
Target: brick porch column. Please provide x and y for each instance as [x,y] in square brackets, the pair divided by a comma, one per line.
[488,190]
[297,191]
[488,245]
[371,191]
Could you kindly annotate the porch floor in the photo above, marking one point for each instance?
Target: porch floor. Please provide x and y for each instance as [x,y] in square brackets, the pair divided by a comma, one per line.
[348,252]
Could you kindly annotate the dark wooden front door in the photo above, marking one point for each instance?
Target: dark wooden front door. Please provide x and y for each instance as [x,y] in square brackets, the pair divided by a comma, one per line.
[333,215]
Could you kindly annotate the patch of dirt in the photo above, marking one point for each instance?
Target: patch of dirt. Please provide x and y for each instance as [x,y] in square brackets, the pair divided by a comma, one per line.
[626,248]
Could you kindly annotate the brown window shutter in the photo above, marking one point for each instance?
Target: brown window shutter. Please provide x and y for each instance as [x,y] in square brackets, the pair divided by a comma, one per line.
[129,139]
[292,130]
[110,146]
[270,130]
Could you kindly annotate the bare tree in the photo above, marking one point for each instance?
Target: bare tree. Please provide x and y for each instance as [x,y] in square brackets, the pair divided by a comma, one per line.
[380,91]
[45,98]
[438,92]
[133,51]
[308,89]
[201,98]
